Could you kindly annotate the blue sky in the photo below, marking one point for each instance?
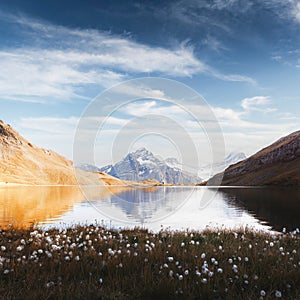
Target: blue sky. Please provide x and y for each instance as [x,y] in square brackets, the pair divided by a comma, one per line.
[242,56]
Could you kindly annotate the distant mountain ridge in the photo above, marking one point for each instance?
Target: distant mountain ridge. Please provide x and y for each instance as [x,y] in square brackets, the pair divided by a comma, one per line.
[210,170]
[277,164]
[142,165]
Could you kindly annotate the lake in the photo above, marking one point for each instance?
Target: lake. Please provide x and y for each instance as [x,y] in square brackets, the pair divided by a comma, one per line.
[151,207]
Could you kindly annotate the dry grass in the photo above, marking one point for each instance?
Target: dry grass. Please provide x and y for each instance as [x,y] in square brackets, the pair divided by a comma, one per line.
[91,262]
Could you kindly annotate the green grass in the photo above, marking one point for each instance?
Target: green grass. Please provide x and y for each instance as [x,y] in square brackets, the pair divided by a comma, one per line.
[89,262]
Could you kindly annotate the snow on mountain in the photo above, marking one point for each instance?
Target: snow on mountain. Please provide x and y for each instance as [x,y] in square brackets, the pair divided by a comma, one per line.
[142,165]
[210,170]
[234,157]
[173,163]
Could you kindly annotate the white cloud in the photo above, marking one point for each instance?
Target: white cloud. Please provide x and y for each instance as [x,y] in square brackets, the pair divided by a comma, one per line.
[52,125]
[37,75]
[59,62]
[295,9]
[257,103]
[139,91]
[233,77]
[213,43]
[287,116]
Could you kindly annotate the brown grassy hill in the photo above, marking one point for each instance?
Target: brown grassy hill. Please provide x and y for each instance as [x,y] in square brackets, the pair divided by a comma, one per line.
[23,163]
[277,164]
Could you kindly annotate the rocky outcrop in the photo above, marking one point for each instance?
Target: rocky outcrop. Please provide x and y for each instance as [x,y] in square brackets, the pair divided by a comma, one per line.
[277,164]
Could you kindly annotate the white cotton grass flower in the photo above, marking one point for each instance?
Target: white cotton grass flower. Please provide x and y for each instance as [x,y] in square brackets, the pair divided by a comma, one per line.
[278,294]
[100,280]
[19,248]
[6,271]
[77,258]
[50,284]
[230,260]
[3,248]
[171,273]
[220,270]
[170,259]
[204,280]
[110,251]
[180,277]
[186,272]
[263,293]
[203,255]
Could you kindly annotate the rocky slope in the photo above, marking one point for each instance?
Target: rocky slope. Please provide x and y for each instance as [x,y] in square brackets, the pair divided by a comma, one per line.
[23,163]
[142,164]
[277,164]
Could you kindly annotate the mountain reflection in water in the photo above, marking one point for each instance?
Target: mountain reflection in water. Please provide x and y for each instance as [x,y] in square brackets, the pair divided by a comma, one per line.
[22,206]
[150,207]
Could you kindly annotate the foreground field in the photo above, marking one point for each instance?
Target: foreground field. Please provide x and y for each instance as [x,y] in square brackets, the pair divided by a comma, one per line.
[91,262]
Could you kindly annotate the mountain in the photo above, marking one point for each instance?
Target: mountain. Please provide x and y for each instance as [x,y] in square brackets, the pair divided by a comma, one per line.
[212,169]
[21,162]
[277,164]
[88,168]
[233,158]
[142,165]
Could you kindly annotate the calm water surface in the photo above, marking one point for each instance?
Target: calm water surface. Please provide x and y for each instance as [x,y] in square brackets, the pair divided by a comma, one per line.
[154,207]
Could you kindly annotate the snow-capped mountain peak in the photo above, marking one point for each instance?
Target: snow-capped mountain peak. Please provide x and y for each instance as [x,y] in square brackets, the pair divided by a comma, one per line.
[143,164]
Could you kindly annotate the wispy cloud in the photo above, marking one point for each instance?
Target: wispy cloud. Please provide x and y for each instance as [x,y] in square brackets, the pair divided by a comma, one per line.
[257,103]
[36,75]
[139,91]
[57,62]
[213,43]
[295,9]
